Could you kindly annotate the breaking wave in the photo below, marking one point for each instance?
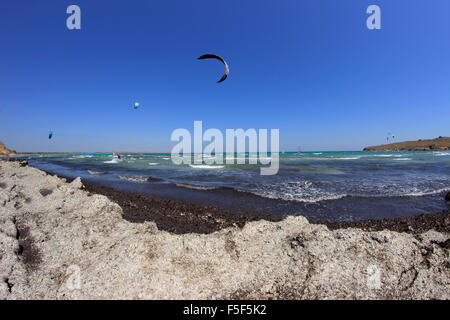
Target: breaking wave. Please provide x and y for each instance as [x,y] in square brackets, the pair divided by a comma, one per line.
[82,156]
[205,166]
[95,172]
[301,191]
[133,178]
[115,160]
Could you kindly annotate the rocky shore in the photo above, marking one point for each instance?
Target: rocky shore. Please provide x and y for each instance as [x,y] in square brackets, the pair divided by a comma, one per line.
[5,151]
[63,240]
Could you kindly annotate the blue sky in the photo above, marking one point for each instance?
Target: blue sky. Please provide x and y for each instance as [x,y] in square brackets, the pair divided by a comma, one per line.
[310,68]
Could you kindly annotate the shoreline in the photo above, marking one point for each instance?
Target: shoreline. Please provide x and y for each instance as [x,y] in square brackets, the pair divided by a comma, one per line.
[139,208]
[185,217]
[61,240]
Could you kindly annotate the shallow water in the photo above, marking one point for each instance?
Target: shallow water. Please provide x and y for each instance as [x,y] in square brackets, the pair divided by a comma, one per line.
[319,185]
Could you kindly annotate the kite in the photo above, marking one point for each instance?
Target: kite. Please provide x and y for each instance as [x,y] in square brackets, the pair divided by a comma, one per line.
[213,56]
[50,134]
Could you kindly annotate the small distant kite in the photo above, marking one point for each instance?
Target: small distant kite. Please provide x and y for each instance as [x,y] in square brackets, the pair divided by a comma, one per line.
[50,134]
[136,105]
[213,56]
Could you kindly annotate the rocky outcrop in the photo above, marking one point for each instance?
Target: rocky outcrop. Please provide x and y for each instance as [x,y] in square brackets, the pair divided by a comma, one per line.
[6,151]
[58,241]
[438,144]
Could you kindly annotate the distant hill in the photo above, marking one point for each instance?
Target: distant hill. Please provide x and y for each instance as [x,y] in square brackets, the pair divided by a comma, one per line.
[6,151]
[441,143]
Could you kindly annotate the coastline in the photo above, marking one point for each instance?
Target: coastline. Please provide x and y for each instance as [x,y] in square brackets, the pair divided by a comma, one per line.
[185,217]
[206,219]
[438,144]
[48,225]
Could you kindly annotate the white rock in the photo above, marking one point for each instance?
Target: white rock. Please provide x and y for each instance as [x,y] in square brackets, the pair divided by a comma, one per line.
[85,250]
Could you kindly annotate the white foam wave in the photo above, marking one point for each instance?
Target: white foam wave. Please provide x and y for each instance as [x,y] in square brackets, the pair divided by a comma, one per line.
[82,156]
[153,163]
[348,158]
[300,191]
[204,166]
[441,154]
[424,193]
[115,160]
[95,172]
[133,178]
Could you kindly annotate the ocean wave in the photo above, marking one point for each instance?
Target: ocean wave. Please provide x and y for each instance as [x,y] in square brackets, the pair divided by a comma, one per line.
[115,160]
[423,193]
[348,158]
[290,197]
[153,163]
[92,172]
[316,170]
[441,154]
[309,194]
[402,159]
[133,178]
[82,156]
[409,193]
[300,191]
[139,178]
[165,158]
[197,187]
[399,189]
[204,166]
[331,158]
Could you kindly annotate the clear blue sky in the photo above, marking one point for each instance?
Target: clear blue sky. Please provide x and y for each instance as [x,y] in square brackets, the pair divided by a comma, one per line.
[310,68]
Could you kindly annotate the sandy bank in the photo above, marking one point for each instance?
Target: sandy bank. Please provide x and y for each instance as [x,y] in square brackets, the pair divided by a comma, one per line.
[59,241]
[6,151]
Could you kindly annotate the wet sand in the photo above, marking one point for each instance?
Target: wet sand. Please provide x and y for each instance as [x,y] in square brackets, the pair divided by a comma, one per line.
[175,216]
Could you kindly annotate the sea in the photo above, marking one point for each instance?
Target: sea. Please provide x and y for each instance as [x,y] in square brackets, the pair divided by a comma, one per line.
[322,186]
